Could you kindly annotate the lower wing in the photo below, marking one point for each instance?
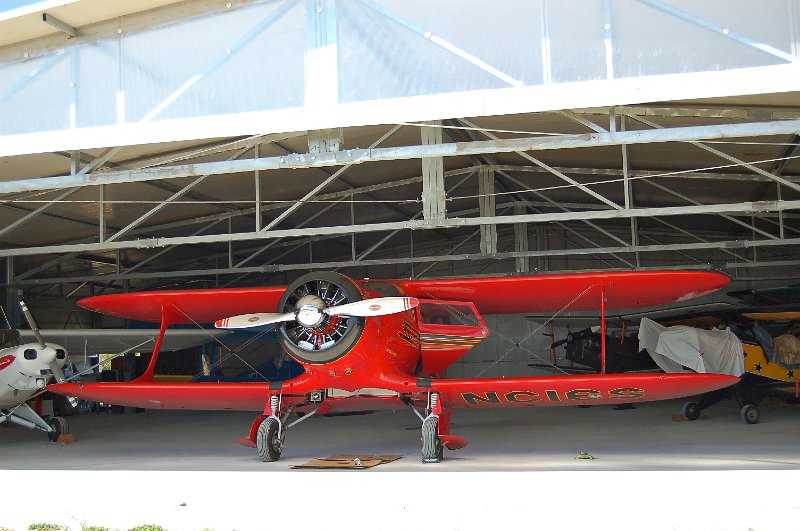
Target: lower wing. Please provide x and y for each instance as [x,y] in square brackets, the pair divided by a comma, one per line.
[172,395]
[593,389]
[541,391]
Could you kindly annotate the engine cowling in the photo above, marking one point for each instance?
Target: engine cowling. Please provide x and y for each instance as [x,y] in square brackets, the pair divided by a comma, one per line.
[314,337]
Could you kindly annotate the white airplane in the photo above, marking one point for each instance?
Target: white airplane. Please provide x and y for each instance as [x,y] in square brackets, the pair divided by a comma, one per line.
[25,370]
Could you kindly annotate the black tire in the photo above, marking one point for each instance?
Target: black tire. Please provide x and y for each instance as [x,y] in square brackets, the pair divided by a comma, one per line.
[691,410]
[60,427]
[355,325]
[268,443]
[432,448]
[750,414]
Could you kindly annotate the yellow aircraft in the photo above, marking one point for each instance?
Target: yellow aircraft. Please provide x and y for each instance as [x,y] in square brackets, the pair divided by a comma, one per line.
[770,370]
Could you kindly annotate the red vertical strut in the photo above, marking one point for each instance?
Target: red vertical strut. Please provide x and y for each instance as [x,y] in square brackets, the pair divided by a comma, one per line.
[602,328]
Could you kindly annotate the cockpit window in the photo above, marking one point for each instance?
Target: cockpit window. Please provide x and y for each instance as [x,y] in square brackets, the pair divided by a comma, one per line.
[30,354]
[450,314]
[61,354]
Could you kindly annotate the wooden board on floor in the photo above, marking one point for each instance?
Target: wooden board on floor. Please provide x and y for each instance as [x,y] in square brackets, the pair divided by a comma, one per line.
[348,461]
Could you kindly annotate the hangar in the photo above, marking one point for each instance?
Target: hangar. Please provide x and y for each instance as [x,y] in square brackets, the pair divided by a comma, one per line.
[200,144]
[391,140]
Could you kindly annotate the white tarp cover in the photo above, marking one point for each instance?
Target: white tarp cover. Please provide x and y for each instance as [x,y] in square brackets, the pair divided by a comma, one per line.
[705,351]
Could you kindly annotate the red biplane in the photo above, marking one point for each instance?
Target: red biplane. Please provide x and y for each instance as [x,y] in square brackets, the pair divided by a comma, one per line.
[384,344]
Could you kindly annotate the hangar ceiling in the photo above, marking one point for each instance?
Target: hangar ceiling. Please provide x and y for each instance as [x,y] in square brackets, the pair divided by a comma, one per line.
[693,183]
[717,202]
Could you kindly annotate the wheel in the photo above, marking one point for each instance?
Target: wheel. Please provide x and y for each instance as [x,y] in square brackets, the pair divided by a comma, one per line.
[691,410]
[268,442]
[432,448]
[333,337]
[60,427]
[750,414]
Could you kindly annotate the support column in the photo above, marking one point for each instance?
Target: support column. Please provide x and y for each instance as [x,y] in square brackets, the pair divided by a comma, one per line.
[486,207]
[325,140]
[257,183]
[12,297]
[542,263]
[521,241]
[628,190]
[102,213]
[433,200]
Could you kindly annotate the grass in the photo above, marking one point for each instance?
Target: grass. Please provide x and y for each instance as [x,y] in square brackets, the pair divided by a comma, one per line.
[56,527]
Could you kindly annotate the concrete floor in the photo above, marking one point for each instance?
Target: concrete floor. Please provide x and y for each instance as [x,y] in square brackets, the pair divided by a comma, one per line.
[518,464]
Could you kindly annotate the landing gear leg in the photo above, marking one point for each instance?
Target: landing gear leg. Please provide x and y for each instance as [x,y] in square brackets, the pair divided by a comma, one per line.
[270,433]
[432,447]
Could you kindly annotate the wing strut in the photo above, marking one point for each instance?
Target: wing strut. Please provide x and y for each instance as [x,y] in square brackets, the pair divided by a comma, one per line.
[168,316]
[602,328]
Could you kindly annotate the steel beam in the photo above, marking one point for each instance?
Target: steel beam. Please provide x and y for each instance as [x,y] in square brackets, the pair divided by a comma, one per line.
[738,162]
[332,177]
[37,212]
[539,254]
[361,156]
[433,198]
[726,112]
[552,170]
[148,243]
[486,207]
[521,264]
[719,30]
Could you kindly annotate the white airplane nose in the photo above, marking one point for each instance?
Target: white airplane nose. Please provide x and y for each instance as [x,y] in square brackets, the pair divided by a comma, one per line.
[34,356]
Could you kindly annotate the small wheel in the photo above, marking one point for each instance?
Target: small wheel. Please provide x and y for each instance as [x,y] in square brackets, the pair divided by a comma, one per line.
[750,414]
[59,426]
[268,442]
[691,410]
[432,448]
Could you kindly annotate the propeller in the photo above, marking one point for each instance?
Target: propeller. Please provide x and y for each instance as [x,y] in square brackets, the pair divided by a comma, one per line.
[58,372]
[312,311]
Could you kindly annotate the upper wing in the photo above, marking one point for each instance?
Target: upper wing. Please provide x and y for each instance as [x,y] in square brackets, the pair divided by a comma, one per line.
[187,306]
[572,291]
[510,294]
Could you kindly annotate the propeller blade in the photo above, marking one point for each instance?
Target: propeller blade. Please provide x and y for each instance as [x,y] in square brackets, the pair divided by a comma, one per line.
[250,320]
[32,324]
[373,307]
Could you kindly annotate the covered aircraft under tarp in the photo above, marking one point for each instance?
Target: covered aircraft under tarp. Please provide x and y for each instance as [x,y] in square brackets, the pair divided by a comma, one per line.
[677,348]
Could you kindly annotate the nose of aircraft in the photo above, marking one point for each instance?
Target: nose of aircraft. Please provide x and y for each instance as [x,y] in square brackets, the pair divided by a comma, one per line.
[34,358]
